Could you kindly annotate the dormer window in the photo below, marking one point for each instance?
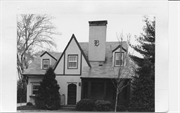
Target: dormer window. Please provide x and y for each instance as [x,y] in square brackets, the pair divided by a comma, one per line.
[73,61]
[45,63]
[118,59]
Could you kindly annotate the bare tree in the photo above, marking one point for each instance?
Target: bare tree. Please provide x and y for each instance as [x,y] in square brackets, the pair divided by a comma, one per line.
[33,32]
[127,69]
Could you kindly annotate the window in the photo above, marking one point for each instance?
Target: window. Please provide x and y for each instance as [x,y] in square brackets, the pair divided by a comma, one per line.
[72,61]
[35,88]
[118,59]
[45,63]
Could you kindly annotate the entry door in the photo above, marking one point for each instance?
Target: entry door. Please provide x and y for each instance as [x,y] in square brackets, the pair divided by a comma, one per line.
[72,94]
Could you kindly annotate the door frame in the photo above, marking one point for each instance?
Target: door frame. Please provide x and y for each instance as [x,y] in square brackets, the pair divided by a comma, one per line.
[75,83]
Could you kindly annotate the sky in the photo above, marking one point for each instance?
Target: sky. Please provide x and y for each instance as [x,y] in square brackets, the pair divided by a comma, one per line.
[77,24]
[72,18]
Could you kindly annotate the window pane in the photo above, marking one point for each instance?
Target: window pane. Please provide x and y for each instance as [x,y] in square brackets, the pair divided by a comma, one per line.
[35,89]
[117,56]
[119,59]
[72,58]
[46,63]
[117,62]
[72,63]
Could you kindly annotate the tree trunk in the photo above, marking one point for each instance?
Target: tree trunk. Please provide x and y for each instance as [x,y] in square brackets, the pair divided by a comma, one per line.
[116,101]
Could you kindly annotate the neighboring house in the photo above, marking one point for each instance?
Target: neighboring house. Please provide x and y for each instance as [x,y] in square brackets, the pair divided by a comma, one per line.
[84,69]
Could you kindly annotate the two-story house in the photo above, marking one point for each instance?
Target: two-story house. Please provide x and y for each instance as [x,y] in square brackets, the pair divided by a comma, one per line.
[83,69]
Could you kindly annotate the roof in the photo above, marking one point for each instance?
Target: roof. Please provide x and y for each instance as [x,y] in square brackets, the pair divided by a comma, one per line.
[53,55]
[95,71]
[106,70]
[35,67]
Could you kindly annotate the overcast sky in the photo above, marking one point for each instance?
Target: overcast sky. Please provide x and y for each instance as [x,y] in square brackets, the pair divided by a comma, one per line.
[72,18]
[77,24]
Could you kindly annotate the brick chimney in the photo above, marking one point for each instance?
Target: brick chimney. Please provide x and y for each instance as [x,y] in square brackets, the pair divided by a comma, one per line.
[97,40]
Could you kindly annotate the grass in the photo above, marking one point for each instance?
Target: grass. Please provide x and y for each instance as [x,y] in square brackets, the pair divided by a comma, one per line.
[27,108]
[33,108]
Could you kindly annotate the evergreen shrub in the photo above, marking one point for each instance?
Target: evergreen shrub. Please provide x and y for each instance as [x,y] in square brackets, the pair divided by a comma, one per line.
[85,105]
[102,105]
[48,96]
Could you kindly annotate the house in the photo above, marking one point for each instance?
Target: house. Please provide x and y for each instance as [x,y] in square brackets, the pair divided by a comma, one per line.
[83,69]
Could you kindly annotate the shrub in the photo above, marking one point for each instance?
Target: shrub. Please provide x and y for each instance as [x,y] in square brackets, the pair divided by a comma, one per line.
[140,106]
[48,96]
[29,104]
[121,108]
[21,91]
[85,105]
[102,105]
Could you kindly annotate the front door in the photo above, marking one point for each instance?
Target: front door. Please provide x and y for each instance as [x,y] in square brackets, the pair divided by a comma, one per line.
[72,94]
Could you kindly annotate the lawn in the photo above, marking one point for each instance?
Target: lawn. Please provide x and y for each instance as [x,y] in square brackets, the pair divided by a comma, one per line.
[33,108]
[25,107]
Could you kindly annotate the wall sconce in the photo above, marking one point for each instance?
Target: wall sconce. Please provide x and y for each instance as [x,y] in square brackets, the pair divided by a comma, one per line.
[79,83]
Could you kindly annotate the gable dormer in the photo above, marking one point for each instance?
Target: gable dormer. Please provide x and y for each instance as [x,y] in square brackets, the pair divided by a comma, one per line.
[119,55]
[47,60]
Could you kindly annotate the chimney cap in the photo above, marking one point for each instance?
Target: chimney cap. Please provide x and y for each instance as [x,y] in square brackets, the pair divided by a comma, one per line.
[98,23]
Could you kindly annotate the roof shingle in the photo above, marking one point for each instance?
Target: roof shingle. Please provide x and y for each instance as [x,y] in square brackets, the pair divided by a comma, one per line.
[106,70]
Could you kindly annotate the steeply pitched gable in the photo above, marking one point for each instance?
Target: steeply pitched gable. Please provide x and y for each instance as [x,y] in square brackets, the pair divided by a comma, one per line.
[123,46]
[48,54]
[73,37]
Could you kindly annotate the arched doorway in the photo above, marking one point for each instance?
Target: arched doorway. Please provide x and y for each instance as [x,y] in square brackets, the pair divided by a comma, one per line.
[71,94]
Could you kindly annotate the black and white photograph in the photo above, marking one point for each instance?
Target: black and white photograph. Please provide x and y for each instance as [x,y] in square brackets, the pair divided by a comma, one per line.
[88,57]
[86,62]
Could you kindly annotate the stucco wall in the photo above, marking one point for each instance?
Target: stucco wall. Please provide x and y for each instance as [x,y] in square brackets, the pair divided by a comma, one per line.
[63,82]
[72,49]
[59,68]
[97,53]
[32,80]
